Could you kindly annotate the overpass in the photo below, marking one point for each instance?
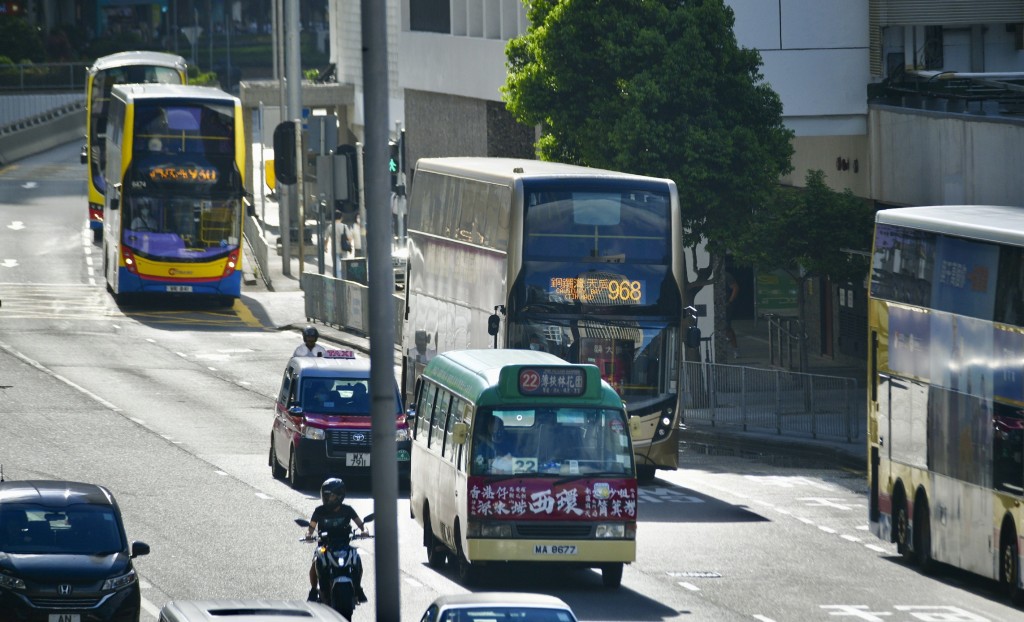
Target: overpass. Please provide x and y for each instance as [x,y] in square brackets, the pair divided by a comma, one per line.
[33,123]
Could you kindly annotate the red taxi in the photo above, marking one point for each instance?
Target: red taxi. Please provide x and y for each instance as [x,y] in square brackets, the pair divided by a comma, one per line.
[322,423]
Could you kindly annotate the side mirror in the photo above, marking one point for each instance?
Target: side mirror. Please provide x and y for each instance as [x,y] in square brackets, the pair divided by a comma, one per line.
[459,433]
[368,518]
[115,203]
[692,339]
[493,324]
[84,154]
[295,410]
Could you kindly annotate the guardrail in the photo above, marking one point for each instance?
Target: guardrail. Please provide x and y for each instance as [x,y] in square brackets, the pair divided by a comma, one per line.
[344,304]
[772,400]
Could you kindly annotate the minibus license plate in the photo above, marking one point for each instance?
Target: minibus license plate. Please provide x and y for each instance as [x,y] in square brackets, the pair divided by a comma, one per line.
[357,460]
[65,617]
[179,288]
[554,549]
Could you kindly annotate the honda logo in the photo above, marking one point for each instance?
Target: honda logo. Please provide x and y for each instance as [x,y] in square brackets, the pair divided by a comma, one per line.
[64,589]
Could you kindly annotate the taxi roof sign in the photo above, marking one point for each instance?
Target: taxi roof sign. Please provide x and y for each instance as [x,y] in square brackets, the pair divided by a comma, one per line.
[340,354]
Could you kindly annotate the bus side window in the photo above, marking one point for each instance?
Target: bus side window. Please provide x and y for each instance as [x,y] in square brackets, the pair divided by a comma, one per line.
[424,412]
[453,416]
[440,418]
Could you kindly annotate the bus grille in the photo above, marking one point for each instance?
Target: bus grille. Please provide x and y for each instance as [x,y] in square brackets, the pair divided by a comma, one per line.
[553,530]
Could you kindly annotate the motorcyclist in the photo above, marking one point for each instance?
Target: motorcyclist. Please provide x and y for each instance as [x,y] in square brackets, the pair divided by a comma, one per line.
[332,494]
[309,345]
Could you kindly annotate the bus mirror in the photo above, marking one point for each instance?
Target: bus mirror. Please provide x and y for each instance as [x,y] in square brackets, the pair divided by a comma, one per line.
[493,323]
[84,154]
[114,204]
[459,433]
[693,337]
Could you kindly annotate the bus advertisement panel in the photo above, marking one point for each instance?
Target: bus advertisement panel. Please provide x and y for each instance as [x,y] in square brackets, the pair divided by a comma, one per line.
[946,387]
[174,223]
[578,262]
[138,67]
[520,457]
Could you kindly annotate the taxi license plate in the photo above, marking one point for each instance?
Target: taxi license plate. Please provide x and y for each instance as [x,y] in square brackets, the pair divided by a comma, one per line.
[179,288]
[65,617]
[357,460]
[554,549]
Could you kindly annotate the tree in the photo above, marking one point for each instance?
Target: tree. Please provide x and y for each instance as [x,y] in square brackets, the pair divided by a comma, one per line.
[809,233]
[20,41]
[657,88]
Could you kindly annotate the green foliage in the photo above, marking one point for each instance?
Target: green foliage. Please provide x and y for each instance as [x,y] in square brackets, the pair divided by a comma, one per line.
[804,231]
[656,87]
[202,78]
[21,41]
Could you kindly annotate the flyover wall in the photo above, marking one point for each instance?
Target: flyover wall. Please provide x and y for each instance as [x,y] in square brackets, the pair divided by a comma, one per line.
[32,124]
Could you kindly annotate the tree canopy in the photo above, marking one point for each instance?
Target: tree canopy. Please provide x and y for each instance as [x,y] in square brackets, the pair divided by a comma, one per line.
[655,87]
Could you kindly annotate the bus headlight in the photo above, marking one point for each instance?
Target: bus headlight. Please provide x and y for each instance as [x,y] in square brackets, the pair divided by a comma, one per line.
[316,434]
[489,530]
[610,530]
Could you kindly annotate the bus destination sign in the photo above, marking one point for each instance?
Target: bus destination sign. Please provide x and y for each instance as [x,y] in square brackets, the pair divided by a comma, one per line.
[600,290]
[552,381]
[188,174]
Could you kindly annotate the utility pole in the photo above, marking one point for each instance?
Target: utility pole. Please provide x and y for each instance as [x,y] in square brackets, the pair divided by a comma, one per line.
[284,194]
[293,70]
[382,287]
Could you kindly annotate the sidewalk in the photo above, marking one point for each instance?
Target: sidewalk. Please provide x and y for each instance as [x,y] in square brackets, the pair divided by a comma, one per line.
[284,306]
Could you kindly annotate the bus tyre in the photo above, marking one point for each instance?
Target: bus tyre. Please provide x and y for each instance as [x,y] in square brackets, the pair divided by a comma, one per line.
[1009,566]
[275,466]
[468,575]
[436,555]
[901,524]
[923,537]
[294,479]
[97,235]
[611,575]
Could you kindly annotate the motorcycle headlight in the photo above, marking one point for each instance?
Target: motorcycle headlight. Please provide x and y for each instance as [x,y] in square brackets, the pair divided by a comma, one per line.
[119,582]
[11,583]
[316,434]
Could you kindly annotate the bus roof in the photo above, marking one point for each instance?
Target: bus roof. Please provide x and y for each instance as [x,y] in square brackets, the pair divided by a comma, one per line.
[122,59]
[491,376]
[141,92]
[508,169]
[992,223]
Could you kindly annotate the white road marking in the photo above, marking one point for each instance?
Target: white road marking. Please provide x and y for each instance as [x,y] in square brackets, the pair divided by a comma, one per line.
[876,549]
[689,586]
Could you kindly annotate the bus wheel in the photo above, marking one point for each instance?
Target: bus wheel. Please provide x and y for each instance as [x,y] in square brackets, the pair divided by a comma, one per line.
[611,575]
[923,537]
[901,523]
[294,480]
[275,466]
[436,554]
[1009,567]
[467,573]
[645,474]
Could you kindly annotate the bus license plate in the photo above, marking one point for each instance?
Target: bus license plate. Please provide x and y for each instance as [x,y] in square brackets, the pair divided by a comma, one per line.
[65,617]
[179,288]
[357,460]
[554,549]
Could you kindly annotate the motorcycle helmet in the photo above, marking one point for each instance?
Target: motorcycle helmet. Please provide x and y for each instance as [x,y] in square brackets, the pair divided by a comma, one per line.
[310,332]
[332,487]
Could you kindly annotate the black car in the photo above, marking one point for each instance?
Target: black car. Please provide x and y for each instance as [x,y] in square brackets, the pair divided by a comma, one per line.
[64,554]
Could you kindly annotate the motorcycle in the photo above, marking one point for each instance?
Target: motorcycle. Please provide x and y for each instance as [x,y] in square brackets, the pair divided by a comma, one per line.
[336,561]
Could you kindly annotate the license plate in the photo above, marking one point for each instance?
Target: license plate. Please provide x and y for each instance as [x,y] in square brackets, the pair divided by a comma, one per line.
[65,617]
[179,288]
[554,549]
[357,460]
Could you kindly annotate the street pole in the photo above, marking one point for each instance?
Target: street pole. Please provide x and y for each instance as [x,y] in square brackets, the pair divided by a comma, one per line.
[382,287]
[284,193]
[293,69]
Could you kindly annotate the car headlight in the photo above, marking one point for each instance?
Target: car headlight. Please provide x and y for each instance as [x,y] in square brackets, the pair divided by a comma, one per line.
[119,582]
[489,530]
[402,434]
[317,434]
[11,583]
[611,530]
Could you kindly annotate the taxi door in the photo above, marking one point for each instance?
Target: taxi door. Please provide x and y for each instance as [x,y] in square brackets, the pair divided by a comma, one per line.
[286,425]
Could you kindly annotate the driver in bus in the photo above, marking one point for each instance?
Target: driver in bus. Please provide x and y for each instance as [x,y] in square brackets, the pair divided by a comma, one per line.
[491,450]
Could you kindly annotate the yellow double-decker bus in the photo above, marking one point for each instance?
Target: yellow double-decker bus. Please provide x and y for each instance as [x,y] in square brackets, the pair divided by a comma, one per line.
[121,68]
[946,387]
[175,202]
[519,457]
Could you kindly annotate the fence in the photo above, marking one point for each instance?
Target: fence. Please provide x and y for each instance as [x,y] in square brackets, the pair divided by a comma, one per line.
[344,304]
[44,77]
[772,400]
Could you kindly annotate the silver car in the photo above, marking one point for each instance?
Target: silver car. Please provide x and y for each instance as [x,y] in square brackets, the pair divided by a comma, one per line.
[226,610]
[498,607]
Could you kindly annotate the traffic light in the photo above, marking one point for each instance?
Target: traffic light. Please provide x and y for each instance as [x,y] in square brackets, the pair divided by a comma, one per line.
[393,164]
[284,153]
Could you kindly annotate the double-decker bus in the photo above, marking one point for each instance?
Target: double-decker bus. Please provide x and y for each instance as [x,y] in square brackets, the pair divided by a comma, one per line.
[584,263]
[520,457]
[173,217]
[946,387]
[120,68]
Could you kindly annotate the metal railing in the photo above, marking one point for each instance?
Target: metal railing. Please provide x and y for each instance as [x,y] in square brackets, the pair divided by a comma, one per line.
[43,77]
[771,400]
[785,340]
